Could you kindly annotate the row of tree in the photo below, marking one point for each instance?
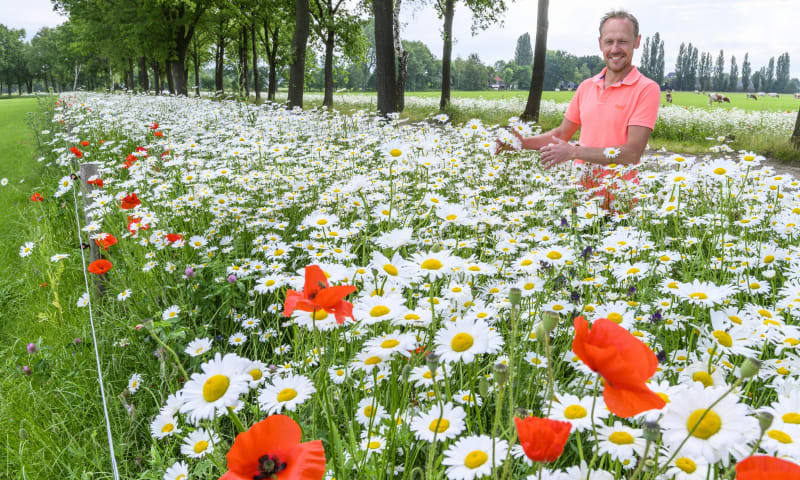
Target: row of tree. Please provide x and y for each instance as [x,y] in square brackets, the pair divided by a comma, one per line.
[698,70]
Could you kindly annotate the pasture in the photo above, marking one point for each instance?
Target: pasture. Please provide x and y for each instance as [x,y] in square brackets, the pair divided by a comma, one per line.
[407,298]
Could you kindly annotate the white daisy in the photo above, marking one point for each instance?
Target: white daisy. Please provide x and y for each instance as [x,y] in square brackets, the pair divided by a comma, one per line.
[198,443]
[474,456]
[285,393]
[216,388]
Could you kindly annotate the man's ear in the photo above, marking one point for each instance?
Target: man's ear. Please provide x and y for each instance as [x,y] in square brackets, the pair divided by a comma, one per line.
[638,40]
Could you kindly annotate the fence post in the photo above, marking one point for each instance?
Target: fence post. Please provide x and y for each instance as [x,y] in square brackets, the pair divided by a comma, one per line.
[87,171]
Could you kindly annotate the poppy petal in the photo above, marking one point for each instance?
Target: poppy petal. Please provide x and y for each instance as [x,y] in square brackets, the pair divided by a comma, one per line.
[627,402]
[762,467]
[330,297]
[314,282]
[307,462]
[275,435]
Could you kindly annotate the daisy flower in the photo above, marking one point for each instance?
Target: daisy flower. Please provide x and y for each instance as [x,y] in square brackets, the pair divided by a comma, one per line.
[83,300]
[705,294]
[198,346]
[570,408]
[474,457]
[171,312]
[394,342]
[216,388]
[198,443]
[164,425]
[717,433]
[440,423]
[285,393]
[621,443]
[611,152]
[124,295]
[178,471]
[58,257]
[464,339]
[686,467]
[370,412]
[134,383]
[26,249]
[372,310]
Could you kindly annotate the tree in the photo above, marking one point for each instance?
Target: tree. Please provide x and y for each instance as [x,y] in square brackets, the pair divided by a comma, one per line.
[796,134]
[782,73]
[297,70]
[523,54]
[402,57]
[644,63]
[423,68]
[733,77]
[769,78]
[756,78]
[484,13]
[719,72]
[539,59]
[384,56]
[746,72]
[680,65]
[276,23]
[704,71]
[474,75]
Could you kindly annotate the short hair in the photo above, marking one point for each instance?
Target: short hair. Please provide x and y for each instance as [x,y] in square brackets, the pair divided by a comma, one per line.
[622,14]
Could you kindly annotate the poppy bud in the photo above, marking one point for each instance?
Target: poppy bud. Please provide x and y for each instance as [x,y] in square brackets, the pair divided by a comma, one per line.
[483,386]
[764,420]
[514,296]
[750,367]
[550,321]
[500,373]
[27,371]
[432,360]
[651,431]
[406,372]
[436,248]
[520,412]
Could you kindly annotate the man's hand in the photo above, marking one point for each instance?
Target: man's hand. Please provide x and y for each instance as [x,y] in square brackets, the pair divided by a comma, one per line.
[558,152]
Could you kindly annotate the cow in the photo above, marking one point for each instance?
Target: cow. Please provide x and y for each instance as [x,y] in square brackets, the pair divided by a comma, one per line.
[761,94]
[753,96]
[697,92]
[773,95]
[717,97]
[669,97]
[797,96]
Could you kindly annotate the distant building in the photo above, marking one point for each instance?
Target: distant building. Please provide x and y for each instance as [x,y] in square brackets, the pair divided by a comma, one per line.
[498,84]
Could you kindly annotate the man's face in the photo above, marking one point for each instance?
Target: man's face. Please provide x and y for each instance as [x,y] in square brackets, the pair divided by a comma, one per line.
[617,43]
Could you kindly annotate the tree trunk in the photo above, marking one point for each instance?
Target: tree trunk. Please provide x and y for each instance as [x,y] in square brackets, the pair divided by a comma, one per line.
[272,54]
[129,80]
[297,70]
[170,78]
[402,58]
[796,133]
[539,56]
[256,86]
[244,88]
[447,52]
[384,57]
[144,82]
[196,61]
[157,76]
[219,69]
[29,85]
[327,100]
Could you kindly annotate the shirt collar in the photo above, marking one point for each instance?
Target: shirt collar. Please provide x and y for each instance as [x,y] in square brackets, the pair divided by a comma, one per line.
[631,78]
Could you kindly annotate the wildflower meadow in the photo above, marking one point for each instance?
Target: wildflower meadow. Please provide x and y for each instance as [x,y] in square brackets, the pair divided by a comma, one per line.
[311,294]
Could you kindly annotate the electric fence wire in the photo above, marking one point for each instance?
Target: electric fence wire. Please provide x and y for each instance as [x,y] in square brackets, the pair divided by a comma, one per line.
[94,338]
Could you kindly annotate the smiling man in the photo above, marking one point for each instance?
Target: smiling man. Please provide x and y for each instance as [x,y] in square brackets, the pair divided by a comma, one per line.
[616,109]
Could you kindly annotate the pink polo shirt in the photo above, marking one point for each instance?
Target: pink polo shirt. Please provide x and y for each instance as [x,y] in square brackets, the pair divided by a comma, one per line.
[605,114]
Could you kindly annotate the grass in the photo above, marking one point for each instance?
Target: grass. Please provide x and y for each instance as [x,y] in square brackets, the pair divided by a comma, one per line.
[51,423]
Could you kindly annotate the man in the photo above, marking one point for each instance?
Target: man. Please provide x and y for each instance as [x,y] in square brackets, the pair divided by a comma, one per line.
[616,109]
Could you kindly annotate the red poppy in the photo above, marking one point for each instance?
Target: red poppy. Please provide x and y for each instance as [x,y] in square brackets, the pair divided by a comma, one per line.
[158,133]
[272,449]
[142,150]
[317,296]
[130,201]
[154,126]
[97,182]
[77,152]
[85,143]
[106,241]
[135,224]
[173,237]
[762,467]
[99,267]
[624,362]
[37,197]
[542,439]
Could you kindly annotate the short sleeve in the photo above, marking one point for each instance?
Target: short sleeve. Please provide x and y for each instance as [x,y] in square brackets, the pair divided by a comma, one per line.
[645,113]
[573,113]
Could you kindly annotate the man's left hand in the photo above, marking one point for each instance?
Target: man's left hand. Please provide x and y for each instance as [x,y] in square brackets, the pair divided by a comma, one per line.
[558,152]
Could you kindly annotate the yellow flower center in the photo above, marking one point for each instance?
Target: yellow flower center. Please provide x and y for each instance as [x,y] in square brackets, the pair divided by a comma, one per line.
[278,252]
[553,255]
[168,428]
[200,446]
[372,360]
[792,341]
[395,152]
[780,436]
[705,428]
[528,286]
[374,444]
[462,341]
[286,394]
[791,417]
[322,221]
[783,371]
[390,269]
[411,316]
[698,296]
[720,171]
[574,412]
[632,271]
[723,338]
[439,425]
[686,465]
[431,264]
[615,317]
[450,217]
[475,459]
[427,375]
[256,374]
[663,396]
[764,313]
[769,259]
[735,319]
[319,315]
[269,282]
[672,285]
[215,387]
[379,311]
[526,262]
[704,378]
[621,438]
[390,343]
[368,411]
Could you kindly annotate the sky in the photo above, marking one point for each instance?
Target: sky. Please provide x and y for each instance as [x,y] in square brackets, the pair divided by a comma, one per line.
[764,28]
